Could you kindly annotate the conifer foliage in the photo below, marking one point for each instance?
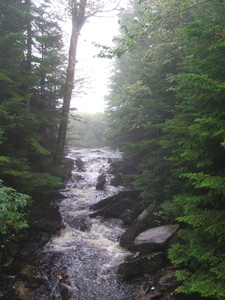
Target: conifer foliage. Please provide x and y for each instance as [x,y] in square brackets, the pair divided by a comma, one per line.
[166,111]
[31,72]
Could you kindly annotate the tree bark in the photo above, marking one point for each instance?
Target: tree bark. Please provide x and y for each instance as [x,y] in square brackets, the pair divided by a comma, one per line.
[78,20]
[29,49]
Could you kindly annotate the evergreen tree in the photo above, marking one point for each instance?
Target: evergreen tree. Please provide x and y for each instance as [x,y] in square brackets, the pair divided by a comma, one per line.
[30,67]
[196,138]
[166,112]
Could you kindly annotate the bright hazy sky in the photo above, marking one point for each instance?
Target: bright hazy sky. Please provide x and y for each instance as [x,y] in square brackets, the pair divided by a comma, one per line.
[96,70]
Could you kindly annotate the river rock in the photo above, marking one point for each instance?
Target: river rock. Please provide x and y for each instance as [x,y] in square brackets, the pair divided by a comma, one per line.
[28,248]
[49,220]
[101,182]
[12,248]
[154,239]
[143,222]
[22,291]
[81,223]
[140,264]
[45,237]
[115,206]
[80,164]
[117,180]
[32,274]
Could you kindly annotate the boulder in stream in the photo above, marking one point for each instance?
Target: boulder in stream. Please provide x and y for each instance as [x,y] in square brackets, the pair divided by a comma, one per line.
[143,221]
[32,274]
[115,206]
[117,180]
[81,223]
[101,182]
[80,164]
[154,239]
[49,219]
[140,264]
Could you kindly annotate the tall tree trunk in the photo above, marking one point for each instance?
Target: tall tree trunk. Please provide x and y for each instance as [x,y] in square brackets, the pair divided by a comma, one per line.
[29,48]
[78,20]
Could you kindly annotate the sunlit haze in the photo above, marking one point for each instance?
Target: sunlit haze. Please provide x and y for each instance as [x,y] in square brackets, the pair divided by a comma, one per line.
[95,71]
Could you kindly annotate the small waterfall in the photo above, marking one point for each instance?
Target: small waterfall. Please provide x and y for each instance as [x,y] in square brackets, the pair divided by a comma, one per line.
[80,263]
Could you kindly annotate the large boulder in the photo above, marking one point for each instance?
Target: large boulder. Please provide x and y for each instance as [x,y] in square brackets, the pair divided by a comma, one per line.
[154,239]
[141,223]
[49,219]
[116,206]
[140,264]
[117,180]
[28,248]
[101,182]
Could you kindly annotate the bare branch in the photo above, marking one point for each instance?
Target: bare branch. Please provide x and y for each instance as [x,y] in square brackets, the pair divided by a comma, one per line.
[97,11]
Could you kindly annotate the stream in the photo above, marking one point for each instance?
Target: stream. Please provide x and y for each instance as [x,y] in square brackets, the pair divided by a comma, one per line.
[80,262]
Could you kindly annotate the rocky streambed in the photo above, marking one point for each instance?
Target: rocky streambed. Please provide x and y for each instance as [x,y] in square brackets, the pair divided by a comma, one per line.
[98,241]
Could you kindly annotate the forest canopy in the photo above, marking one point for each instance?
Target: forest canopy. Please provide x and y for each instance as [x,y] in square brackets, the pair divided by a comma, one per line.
[166,112]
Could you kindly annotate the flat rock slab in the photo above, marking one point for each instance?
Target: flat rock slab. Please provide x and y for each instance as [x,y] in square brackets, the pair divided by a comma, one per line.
[154,239]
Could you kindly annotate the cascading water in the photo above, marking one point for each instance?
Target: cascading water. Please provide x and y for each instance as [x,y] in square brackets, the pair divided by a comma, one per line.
[81,262]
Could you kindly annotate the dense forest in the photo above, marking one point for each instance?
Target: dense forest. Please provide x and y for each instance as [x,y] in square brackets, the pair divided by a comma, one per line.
[165,112]
[32,68]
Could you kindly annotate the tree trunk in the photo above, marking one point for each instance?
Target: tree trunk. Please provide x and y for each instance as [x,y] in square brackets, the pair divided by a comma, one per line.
[29,49]
[78,20]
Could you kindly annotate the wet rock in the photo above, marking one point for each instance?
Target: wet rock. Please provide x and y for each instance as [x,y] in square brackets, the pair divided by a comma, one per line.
[26,279]
[115,206]
[60,274]
[80,164]
[101,182]
[12,248]
[67,292]
[140,264]
[114,159]
[50,219]
[168,279]
[127,216]
[22,291]
[45,237]
[31,274]
[28,248]
[34,236]
[78,177]
[123,172]
[143,222]
[154,239]
[80,223]
[117,180]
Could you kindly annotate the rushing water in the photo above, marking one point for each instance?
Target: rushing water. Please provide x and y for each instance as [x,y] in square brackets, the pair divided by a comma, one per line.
[81,261]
